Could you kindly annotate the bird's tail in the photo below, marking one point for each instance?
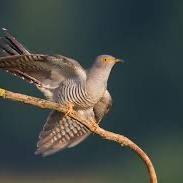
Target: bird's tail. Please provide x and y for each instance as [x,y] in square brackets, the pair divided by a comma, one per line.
[10,46]
[60,132]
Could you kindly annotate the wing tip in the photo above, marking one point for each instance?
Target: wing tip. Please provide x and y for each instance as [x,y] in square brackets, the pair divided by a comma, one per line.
[6,32]
[47,152]
[38,152]
[4,29]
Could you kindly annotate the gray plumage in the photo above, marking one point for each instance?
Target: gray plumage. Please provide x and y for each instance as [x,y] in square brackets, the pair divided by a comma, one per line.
[62,80]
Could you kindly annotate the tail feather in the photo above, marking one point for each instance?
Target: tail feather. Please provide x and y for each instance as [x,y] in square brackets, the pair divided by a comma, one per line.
[10,46]
[59,133]
[7,48]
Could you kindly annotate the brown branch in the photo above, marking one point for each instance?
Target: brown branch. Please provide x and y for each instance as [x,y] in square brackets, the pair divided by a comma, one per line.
[122,140]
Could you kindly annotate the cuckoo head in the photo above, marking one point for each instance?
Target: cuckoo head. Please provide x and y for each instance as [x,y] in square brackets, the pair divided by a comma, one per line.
[107,61]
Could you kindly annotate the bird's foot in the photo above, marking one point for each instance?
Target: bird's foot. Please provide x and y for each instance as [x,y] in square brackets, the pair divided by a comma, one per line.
[69,106]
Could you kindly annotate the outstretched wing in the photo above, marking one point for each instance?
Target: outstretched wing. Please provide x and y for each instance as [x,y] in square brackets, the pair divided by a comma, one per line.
[60,132]
[46,72]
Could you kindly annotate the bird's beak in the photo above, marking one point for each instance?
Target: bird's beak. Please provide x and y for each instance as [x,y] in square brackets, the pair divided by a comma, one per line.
[117,60]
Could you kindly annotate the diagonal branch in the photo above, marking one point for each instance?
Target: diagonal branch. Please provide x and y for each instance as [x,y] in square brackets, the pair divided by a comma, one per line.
[92,126]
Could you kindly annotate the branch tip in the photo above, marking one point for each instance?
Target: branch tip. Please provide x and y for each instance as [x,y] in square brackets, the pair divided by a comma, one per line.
[2,93]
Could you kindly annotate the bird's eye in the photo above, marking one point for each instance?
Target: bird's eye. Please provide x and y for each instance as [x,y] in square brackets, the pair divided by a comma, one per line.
[105,59]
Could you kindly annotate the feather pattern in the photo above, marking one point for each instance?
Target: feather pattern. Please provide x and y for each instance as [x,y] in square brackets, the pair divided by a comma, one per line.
[73,91]
[46,72]
[49,71]
[58,133]
[62,80]
[62,132]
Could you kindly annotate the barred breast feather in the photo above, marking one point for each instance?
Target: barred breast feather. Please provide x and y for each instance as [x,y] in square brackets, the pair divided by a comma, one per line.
[60,132]
[75,92]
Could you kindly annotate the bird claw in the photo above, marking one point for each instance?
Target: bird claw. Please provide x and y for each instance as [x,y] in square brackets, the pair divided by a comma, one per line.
[70,109]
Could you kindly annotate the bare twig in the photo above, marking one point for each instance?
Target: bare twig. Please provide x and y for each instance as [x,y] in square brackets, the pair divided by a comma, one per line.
[120,139]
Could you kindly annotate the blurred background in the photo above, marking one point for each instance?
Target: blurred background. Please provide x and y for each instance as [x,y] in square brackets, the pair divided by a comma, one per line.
[147,99]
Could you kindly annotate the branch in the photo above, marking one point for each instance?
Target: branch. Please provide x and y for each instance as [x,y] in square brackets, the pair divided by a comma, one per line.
[92,126]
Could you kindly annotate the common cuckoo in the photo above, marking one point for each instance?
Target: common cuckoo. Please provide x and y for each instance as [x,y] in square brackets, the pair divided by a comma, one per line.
[62,80]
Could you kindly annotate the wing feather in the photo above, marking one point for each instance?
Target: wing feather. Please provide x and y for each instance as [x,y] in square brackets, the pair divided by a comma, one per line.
[103,106]
[45,71]
[50,71]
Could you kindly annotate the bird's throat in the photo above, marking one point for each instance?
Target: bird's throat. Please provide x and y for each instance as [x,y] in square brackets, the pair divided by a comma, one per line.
[97,82]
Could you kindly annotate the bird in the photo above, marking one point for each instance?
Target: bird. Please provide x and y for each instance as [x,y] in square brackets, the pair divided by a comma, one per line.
[62,80]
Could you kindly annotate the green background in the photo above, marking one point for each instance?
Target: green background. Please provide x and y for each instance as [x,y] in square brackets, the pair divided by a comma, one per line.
[147,92]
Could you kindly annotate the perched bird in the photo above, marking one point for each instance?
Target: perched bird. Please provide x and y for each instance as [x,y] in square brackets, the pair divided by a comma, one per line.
[62,80]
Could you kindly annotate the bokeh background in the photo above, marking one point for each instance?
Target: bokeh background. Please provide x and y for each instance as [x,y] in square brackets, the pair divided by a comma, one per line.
[147,92]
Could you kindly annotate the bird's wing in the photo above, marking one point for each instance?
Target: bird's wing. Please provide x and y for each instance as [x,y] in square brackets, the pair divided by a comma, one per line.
[59,132]
[46,72]
[103,106]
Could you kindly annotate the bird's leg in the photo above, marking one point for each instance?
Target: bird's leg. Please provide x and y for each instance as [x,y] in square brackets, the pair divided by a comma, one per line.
[69,106]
